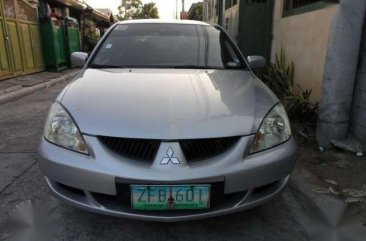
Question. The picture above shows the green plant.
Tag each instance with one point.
(280, 76)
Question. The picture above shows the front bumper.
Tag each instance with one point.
(89, 182)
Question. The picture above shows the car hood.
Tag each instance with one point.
(167, 104)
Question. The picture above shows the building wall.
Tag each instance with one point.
(209, 11)
(358, 124)
(230, 16)
(231, 21)
(304, 38)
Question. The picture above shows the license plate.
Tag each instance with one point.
(177, 197)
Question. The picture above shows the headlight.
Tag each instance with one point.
(274, 130)
(61, 130)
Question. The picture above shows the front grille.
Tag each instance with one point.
(200, 149)
(137, 149)
(146, 149)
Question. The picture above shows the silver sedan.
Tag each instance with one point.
(166, 122)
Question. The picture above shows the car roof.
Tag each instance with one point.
(163, 21)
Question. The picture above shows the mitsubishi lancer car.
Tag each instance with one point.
(166, 122)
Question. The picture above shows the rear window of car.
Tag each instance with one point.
(149, 45)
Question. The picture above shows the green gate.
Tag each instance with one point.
(72, 38)
(53, 35)
(255, 27)
(4, 53)
(19, 39)
(61, 39)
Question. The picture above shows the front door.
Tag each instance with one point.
(5, 61)
(255, 27)
(19, 39)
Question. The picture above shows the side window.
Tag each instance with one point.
(221, 52)
(231, 57)
(292, 4)
(230, 3)
(227, 4)
(294, 7)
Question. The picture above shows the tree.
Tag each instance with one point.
(199, 12)
(149, 10)
(134, 9)
(196, 11)
(129, 9)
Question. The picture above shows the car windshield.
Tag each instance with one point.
(152, 45)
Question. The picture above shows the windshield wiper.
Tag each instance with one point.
(107, 66)
(189, 67)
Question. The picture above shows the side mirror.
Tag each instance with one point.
(78, 59)
(256, 62)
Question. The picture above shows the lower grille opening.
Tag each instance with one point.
(265, 188)
(71, 189)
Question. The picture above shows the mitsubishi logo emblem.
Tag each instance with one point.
(170, 158)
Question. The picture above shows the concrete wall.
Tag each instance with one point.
(210, 14)
(209, 11)
(335, 108)
(304, 37)
(358, 119)
(231, 21)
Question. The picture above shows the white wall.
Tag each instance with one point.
(231, 21)
(304, 37)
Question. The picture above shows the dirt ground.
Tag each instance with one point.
(339, 173)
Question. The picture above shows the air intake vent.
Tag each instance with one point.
(137, 149)
(200, 149)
